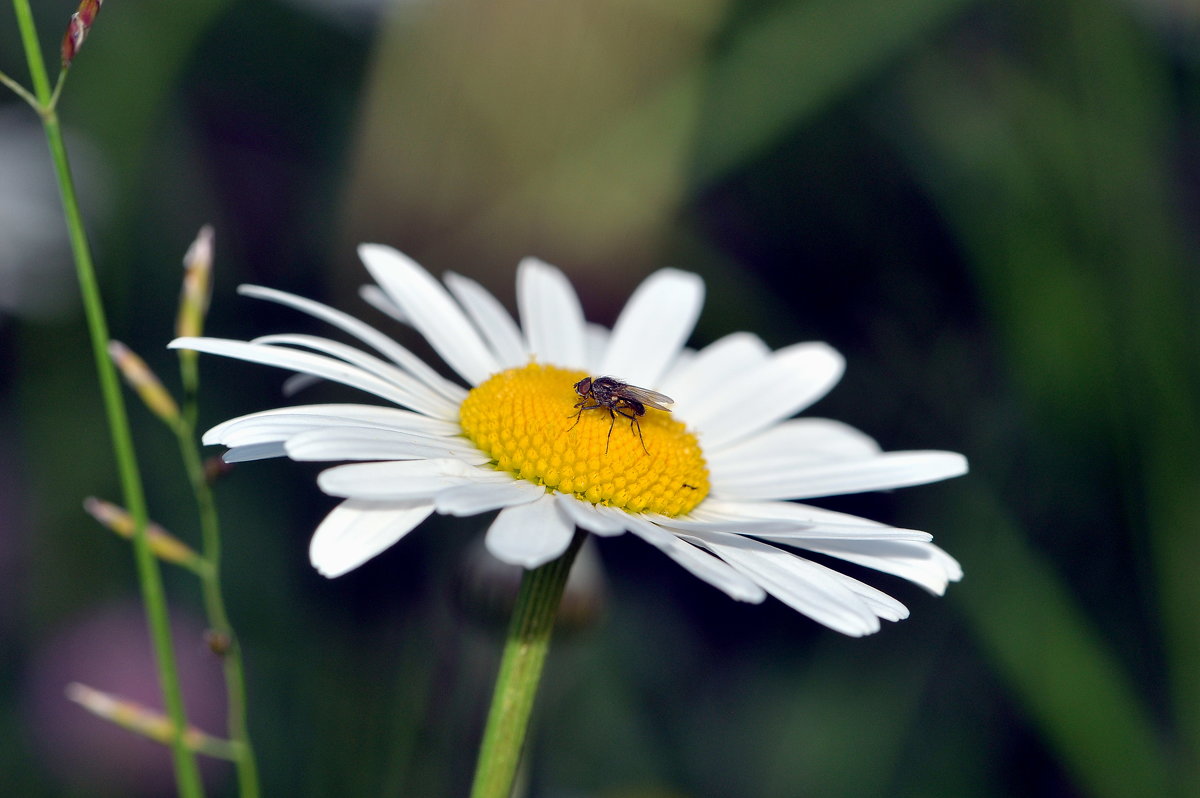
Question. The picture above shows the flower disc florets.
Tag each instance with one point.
(525, 420)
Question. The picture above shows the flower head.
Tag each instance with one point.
(698, 454)
(78, 28)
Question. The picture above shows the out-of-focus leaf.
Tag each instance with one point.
(1053, 171)
(794, 59)
(1042, 643)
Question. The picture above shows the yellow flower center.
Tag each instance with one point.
(526, 420)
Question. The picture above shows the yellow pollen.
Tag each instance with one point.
(525, 420)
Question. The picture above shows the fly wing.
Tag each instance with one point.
(648, 397)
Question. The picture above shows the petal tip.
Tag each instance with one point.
(325, 564)
(530, 262)
(370, 250)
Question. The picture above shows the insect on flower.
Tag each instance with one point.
(618, 398)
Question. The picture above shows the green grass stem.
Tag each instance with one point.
(186, 773)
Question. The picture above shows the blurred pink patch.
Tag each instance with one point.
(109, 649)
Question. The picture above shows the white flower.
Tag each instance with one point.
(710, 484)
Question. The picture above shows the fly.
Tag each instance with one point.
(619, 399)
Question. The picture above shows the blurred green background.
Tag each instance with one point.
(990, 208)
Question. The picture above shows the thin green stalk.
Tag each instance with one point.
(190, 377)
(214, 604)
(52, 103)
(520, 671)
(187, 775)
(21, 92)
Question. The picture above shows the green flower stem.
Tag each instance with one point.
(187, 776)
(218, 620)
(520, 671)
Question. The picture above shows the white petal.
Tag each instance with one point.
(365, 333)
(417, 395)
(680, 363)
(789, 444)
(653, 327)
(498, 328)
(921, 563)
(374, 296)
(472, 498)
(880, 603)
(742, 525)
(807, 522)
(305, 362)
(402, 479)
(530, 534)
(888, 470)
(595, 339)
(791, 380)
(364, 443)
(814, 590)
(254, 451)
(550, 314)
(585, 516)
(297, 383)
(357, 531)
(281, 423)
(431, 310)
(689, 383)
(883, 605)
(714, 571)
(697, 562)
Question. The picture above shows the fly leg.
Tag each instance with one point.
(631, 414)
(581, 405)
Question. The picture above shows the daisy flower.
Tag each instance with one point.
(710, 480)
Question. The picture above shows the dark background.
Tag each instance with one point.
(989, 208)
